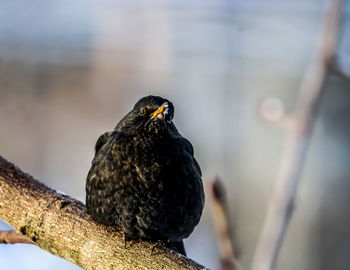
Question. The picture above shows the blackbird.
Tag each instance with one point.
(144, 177)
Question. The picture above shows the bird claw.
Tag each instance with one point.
(127, 238)
(158, 244)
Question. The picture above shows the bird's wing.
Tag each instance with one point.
(190, 150)
(102, 140)
(197, 166)
(99, 193)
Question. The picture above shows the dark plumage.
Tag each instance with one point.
(144, 177)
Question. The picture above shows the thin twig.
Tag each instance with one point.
(13, 237)
(283, 198)
(218, 204)
(340, 65)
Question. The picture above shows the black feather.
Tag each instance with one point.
(144, 177)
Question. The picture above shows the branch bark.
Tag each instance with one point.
(60, 225)
(13, 237)
(282, 201)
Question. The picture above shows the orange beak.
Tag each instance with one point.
(161, 111)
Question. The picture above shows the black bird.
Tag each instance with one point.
(144, 177)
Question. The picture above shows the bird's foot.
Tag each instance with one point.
(127, 238)
(178, 246)
(159, 244)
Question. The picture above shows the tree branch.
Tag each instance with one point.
(13, 237)
(299, 133)
(61, 225)
(223, 230)
(340, 65)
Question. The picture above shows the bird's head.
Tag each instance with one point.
(151, 114)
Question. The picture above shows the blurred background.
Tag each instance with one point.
(69, 70)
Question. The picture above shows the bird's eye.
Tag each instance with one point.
(142, 112)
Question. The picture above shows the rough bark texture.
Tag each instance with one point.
(61, 225)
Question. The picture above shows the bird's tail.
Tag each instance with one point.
(179, 246)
